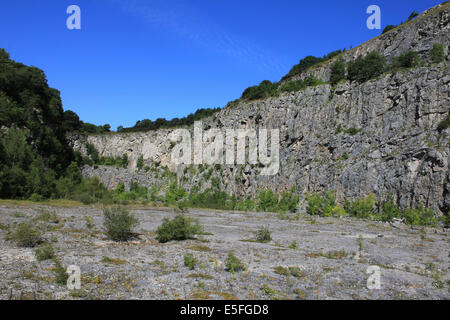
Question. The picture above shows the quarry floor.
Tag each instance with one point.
(332, 255)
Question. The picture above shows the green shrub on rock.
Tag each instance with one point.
(26, 235)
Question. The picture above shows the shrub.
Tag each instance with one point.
(321, 205)
(265, 89)
(408, 59)
(388, 28)
(45, 252)
(337, 71)
(413, 15)
(179, 228)
(263, 235)
(26, 235)
(390, 210)
(444, 124)
(352, 131)
(288, 201)
(61, 275)
(119, 224)
(174, 193)
(338, 211)
(361, 208)
(437, 53)
(190, 261)
(268, 201)
(140, 162)
(419, 216)
(233, 264)
(366, 68)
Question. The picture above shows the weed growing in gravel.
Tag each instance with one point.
(190, 261)
(289, 271)
(293, 245)
(179, 228)
(26, 235)
(47, 216)
(61, 275)
(115, 261)
(263, 235)
(119, 224)
(89, 222)
(45, 252)
(233, 264)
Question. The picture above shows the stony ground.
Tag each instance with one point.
(328, 257)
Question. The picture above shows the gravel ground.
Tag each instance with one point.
(308, 258)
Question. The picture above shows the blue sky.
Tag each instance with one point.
(140, 59)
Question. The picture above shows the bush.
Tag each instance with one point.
(388, 28)
(61, 275)
(437, 53)
(268, 201)
(413, 15)
(444, 124)
(366, 68)
(190, 261)
(119, 224)
(179, 228)
(265, 89)
(408, 59)
(361, 208)
(263, 235)
(289, 201)
(45, 252)
(390, 210)
(140, 162)
(26, 235)
(419, 216)
(321, 205)
(233, 264)
(337, 71)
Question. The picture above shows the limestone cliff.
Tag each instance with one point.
(393, 147)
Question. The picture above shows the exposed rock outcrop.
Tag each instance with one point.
(393, 145)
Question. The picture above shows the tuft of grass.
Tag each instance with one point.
(44, 252)
(293, 245)
(61, 275)
(233, 264)
(199, 247)
(115, 261)
(200, 276)
(190, 261)
(289, 271)
(263, 235)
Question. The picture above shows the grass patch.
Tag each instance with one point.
(115, 261)
(233, 264)
(199, 247)
(44, 252)
(200, 276)
(190, 261)
(263, 235)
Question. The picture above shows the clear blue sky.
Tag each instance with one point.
(140, 59)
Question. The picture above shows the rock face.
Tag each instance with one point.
(377, 137)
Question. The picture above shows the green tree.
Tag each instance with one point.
(437, 53)
(365, 68)
(337, 71)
